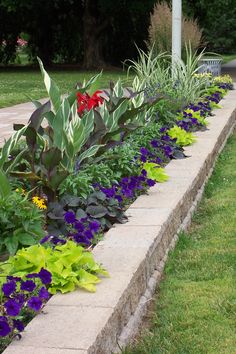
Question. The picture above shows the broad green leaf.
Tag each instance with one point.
(10, 145)
(26, 239)
(51, 158)
(51, 87)
(89, 152)
(5, 187)
(11, 243)
(38, 115)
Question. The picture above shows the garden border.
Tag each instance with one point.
(134, 254)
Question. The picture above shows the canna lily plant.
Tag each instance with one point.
(52, 150)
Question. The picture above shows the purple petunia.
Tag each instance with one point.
(43, 293)
(5, 329)
(28, 285)
(94, 226)
(69, 217)
(150, 182)
(12, 307)
(32, 275)
(9, 288)
(45, 276)
(35, 303)
(88, 234)
(45, 239)
(79, 226)
(18, 325)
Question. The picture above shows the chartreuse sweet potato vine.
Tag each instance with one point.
(71, 266)
(155, 172)
(182, 137)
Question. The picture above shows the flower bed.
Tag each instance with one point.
(136, 163)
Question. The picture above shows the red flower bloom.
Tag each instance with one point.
(86, 102)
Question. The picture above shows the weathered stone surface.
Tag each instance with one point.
(69, 327)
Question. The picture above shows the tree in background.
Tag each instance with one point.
(100, 32)
(218, 20)
(94, 32)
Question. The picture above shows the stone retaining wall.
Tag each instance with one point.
(134, 254)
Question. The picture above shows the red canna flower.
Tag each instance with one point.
(86, 102)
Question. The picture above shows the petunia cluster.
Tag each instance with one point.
(86, 102)
(129, 187)
(81, 231)
(22, 295)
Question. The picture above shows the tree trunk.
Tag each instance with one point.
(92, 37)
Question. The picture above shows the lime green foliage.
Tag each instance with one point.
(155, 172)
(21, 222)
(196, 115)
(183, 138)
(194, 312)
(71, 266)
(223, 78)
(17, 86)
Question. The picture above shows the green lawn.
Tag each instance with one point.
(228, 57)
(17, 85)
(195, 312)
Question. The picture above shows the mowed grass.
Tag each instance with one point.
(194, 310)
(228, 57)
(16, 86)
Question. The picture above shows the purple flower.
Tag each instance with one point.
(94, 226)
(35, 303)
(88, 234)
(150, 182)
(69, 217)
(155, 143)
(124, 180)
(162, 129)
(4, 328)
(168, 151)
(9, 288)
(143, 158)
(32, 275)
(110, 192)
(12, 307)
(43, 293)
(44, 239)
(144, 172)
(18, 325)
(45, 276)
(79, 226)
(81, 239)
(20, 298)
(10, 277)
(165, 138)
(119, 198)
(144, 151)
(28, 285)
(55, 240)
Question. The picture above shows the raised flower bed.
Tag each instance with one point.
(81, 220)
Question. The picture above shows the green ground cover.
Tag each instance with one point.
(16, 86)
(195, 309)
(228, 57)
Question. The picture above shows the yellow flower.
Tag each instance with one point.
(20, 190)
(39, 202)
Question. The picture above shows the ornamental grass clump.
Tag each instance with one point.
(160, 31)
